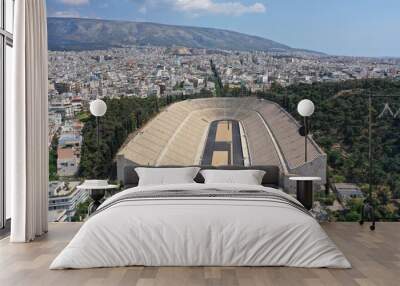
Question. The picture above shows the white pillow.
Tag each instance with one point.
(166, 176)
(247, 177)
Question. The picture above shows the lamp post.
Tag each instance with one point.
(98, 108)
(96, 188)
(305, 108)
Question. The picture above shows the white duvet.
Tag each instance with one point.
(200, 231)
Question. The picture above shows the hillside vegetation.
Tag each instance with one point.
(340, 126)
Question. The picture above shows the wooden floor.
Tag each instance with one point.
(375, 257)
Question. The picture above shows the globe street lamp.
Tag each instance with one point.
(96, 188)
(305, 108)
(98, 108)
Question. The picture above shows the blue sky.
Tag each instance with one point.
(339, 27)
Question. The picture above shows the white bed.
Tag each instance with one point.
(247, 226)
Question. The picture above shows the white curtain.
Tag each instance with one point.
(27, 135)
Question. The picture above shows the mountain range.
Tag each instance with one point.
(89, 34)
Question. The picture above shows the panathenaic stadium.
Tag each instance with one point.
(224, 131)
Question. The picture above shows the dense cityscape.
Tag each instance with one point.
(77, 77)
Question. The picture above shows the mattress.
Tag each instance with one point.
(201, 225)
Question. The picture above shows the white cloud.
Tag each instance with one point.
(210, 6)
(197, 7)
(143, 9)
(104, 5)
(66, 14)
(75, 2)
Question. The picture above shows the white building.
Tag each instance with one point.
(67, 162)
(64, 199)
(347, 191)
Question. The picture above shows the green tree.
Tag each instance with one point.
(81, 211)
(53, 159)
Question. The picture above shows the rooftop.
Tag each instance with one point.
(375, 257)
(65, 153)
(348, 189)
(346, 186)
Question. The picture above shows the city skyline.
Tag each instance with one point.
(356, 28)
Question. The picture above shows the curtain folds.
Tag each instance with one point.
(27, 142)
